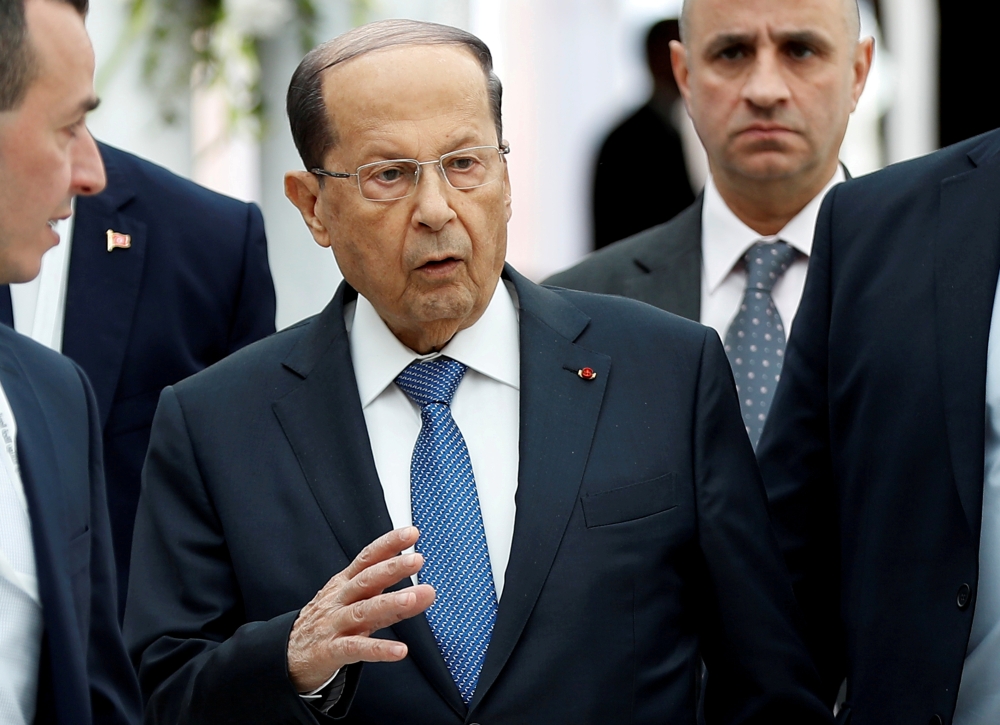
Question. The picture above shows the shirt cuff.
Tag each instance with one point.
(324, 697)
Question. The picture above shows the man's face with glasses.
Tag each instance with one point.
(416, 210)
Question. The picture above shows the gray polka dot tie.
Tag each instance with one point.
(755, 341)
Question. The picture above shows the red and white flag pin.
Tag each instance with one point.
(117, 240)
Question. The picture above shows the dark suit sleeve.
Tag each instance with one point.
(255, 309)
(114, 692)
(795, 461)
(199, 660)
(758, 669)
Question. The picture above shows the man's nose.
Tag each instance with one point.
(766, 86)
(433, 209)
(88, 168)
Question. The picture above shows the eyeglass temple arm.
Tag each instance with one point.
(331, 174)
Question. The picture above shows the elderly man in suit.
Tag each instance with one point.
(770, 85)
(589, 513)
(156, 279)
(62, 659)
(882, 455)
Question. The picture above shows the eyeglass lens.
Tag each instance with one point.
(464, 169)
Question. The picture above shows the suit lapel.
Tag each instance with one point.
(103, 287)
(669, 271)
(966, 263)
(6, 307)
(559, 413)
(41, 479)
(325, 426)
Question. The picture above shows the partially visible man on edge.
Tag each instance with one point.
(591, 520)
(770, 86)
(62, 659)
(882, 455)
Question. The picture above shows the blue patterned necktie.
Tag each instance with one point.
(755, 341)
(452, 538)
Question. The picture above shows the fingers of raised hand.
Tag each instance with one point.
(379, 577)
(384, 547)
(372, 614)
(366, 649)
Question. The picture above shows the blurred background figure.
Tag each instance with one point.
(651, 134)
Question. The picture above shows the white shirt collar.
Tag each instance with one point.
(490, 346)
(725, 239)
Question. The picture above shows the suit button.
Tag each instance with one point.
(936, 719)
(963, 599)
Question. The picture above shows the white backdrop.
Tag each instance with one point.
(570, 68)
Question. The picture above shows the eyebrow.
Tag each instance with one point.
(727, 40)
(805, 37)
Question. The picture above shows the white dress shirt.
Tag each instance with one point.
(20, 605)
(40, 305)
(979, 691)
(725, 239)
(486, 408)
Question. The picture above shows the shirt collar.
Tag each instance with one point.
(490, 346)
(725, 239)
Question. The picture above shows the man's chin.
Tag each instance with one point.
(769, 166)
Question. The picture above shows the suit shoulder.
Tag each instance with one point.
(249, 366)
(48, 370)
(606, 269)
(908, 181)
(163, 187)
(616, 318)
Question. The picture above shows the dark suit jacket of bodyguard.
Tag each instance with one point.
(194, 286)
(660, 266)
(84, 676)
(873, 454)
(641, 535)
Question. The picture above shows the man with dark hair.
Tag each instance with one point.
(61, 655)
(181, 282)
(770, 86)
(651, 136)
(589, 513)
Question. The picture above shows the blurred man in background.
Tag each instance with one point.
(622, 209)
(61, 655)
(770, 85)
(156, 278)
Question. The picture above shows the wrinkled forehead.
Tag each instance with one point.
(407, 84)
(703, 20)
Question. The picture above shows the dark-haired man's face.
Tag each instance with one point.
(47, 155)
(428, 263)
(770, 84)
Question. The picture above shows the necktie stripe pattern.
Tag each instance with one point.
(755, 341)
(446, 509)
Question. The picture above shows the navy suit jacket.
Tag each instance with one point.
(873, 453)
(85, 676)
(641, 536)
(193, 287)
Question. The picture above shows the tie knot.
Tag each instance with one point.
(433, 381)
(766, 262)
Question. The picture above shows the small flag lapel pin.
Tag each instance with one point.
(117, 240)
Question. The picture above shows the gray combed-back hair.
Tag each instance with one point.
(312, 129)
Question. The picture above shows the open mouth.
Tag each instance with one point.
(440, 265)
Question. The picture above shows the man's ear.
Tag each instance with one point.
(679, 62)
(863, 56)
(506, 190)
(303, 190)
